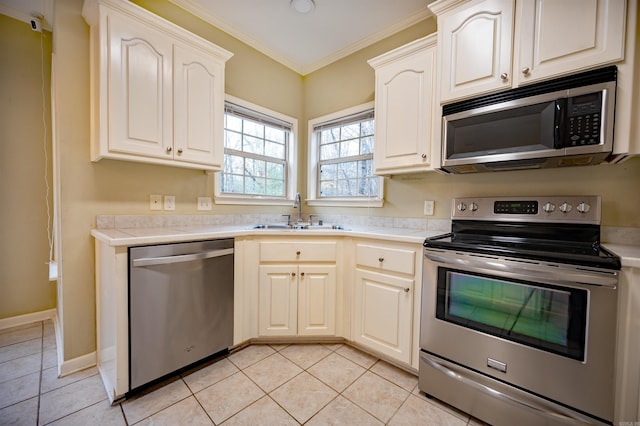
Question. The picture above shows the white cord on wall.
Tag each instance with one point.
(44, 147)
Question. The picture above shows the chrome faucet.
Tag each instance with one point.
(297, 204)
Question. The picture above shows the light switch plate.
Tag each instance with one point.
(169, 202)
(155, 202)
(428, 207)
(204, 203)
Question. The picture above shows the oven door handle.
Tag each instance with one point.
(555, 275)
(529, 405)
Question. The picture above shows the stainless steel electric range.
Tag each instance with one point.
(519, 312)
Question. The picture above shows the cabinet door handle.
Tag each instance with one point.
(407, 289)
(169, 149)
(293, 274)
(525, 70)
(381, 259)
(424, 155)
(179, 151)
(301, 274)
(504, 76)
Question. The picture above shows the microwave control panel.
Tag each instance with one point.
(583, 119)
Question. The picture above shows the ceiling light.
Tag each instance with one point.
(303, 6)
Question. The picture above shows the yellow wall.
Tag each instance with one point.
(116, 187)
(24, 251)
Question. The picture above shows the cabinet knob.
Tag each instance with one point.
(301, 274)
(293, 274)
(169, 149)
(406, 290)
(179, 151)
(381, 259)
(525, 70)
(504, 76)
(298, 253)
(424, 155)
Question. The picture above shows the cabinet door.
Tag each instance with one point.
(317, 300)
(278, 300)
(475, 46)
(404, 113)
(198, 107)
(140, 97)
(382, 313)
(559, 37)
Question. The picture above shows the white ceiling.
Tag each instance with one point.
(304, 43)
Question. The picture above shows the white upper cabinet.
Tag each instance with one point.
(490, 45)
(559, 37)
(198, 119)
(475, 41)
(157, 90)
(139, 97)
(406, 118)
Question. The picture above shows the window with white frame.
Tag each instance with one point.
(341, 159)
(258, 154)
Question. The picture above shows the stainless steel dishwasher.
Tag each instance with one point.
(180, 306)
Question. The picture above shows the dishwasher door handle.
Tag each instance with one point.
(164, 260)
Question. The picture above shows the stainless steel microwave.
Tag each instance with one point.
(562, 122)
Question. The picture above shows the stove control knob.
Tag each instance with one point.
(565, 207)
(549, 207)
(462, 207)
(473, 207)
(583, 207)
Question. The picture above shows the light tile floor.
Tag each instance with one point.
(308, 384)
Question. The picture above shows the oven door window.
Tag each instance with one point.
(550, 318)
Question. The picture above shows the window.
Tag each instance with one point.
(258, 153)
(341, 159)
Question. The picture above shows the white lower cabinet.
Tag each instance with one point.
(386, 297)
(297, 300)
(628, 358)
(297, 288)
(382, 313)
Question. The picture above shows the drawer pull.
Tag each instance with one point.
(406, 290)
(381, 259)
(298, 253)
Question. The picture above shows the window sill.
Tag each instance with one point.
(254, 201)
(338, 202)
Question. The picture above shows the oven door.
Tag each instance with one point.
(546, 329)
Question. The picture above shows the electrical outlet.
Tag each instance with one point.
(428, 207)
(204, 203)
(169, 202)
(155, 202)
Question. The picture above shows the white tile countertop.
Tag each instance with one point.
(128, 230)
(629, 254)
(161, 235)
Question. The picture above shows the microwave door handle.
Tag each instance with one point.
(560, 123)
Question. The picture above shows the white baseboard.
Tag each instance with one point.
(76, 364)
(49, 314)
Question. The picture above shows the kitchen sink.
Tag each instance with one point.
(296, 226)
(272, 226)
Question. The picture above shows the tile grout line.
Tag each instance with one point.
(40, 378)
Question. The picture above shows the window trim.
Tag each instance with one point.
(291, 161)
(314, 155)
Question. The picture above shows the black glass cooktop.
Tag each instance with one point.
(563, 243)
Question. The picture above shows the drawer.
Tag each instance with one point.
(283, 251)
(386, 258)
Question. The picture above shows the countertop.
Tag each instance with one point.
(629, 254)
(127, 237)
(142, 236)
